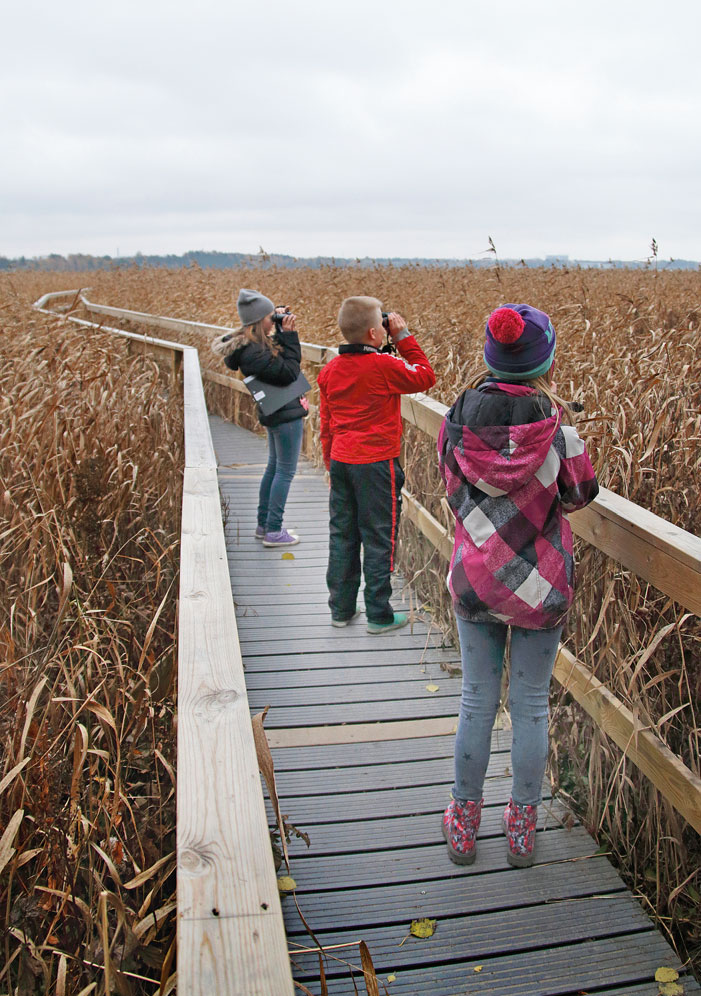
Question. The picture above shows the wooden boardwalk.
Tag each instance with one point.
(372, 809)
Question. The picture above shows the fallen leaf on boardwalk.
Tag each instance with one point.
(392, 978)
(286, 884)
(478, 968)
(431, 688)
(666, 975)
(288, 556)
(423, 928)
(670, 989)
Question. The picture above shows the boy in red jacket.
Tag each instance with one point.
(361, 428)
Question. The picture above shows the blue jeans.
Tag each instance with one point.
(284, 444)
(533, 655)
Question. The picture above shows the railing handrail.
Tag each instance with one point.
(231, 936)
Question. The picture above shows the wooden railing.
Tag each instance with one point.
(657, 551)
(231, 937)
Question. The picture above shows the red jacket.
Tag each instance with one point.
(359, 395)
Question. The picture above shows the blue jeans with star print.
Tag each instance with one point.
(533, 655)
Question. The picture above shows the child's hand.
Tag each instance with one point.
(288, 323)
(396, 323)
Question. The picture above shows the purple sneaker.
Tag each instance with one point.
(283, 538)
(260, 532)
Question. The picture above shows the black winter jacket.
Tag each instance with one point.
(253, 359)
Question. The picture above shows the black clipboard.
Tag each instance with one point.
(272, 397)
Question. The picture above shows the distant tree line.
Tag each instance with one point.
(80, 262)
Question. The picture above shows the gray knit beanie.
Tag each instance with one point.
(253, 306)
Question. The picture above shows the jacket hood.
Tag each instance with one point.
(498, 436)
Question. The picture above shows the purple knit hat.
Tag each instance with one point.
(520, 343)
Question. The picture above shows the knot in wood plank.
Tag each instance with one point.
(195, 861)
(211, 705)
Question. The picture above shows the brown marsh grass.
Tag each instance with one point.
(90, 480)
(628, 349)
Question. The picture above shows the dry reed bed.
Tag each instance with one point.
(628, 350)
(90, 478)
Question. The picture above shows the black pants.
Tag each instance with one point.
(364, 506)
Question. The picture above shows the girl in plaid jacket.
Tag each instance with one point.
(513, 466)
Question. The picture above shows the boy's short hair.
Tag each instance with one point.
(356, 316)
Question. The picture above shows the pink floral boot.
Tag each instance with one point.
(460, 826)
(519, 827)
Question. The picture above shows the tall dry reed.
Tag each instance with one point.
(90, 479)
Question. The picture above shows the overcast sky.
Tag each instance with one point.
(365, 128)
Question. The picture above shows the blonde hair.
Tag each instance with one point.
(225, 344)
(357, 316)
(541, 385)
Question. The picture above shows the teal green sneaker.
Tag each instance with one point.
(400, 619)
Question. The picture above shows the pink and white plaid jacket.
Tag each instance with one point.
(511, 470)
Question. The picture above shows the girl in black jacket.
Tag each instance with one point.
(275, 360)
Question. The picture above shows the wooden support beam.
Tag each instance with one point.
(670, 776)
(318, 354)
(361, 733)
(430, 527)
(226, 380)
(650, 546)
(155, 321)
(425, 413)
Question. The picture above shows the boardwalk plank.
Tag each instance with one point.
(339, 694)
(379, 776)
(361, 805)
(433, 897)
(374, 752)
(375, 835)
(352, 658)
(287, 718)
(410, 864)
(308, 679)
